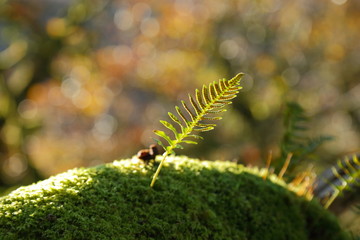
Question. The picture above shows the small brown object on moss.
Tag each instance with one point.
(148, 155)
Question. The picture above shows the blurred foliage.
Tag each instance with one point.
(295, 140)
(85, 82)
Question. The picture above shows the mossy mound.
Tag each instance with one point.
(190, 200)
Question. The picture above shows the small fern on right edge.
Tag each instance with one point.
(346, 176)
(211, 100)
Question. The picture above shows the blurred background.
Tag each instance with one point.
(85, 82)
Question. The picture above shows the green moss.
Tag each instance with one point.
(191, 200)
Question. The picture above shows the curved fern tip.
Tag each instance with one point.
(238, 76)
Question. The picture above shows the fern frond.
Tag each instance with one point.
(341, 177)
(295, 139)
(210, 100)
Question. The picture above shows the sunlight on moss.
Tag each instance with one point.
(192, 200)
(54, 185)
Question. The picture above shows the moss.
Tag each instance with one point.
(190, 200)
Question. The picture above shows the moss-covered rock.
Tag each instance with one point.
(190, 200)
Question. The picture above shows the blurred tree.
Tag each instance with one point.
(28, 51)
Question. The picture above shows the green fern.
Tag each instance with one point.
(211, 100)
(295, 140)
(347, 175)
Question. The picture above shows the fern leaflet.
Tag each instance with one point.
(210, 100)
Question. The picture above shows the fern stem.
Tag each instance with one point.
(158, 169)
(166, 153)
